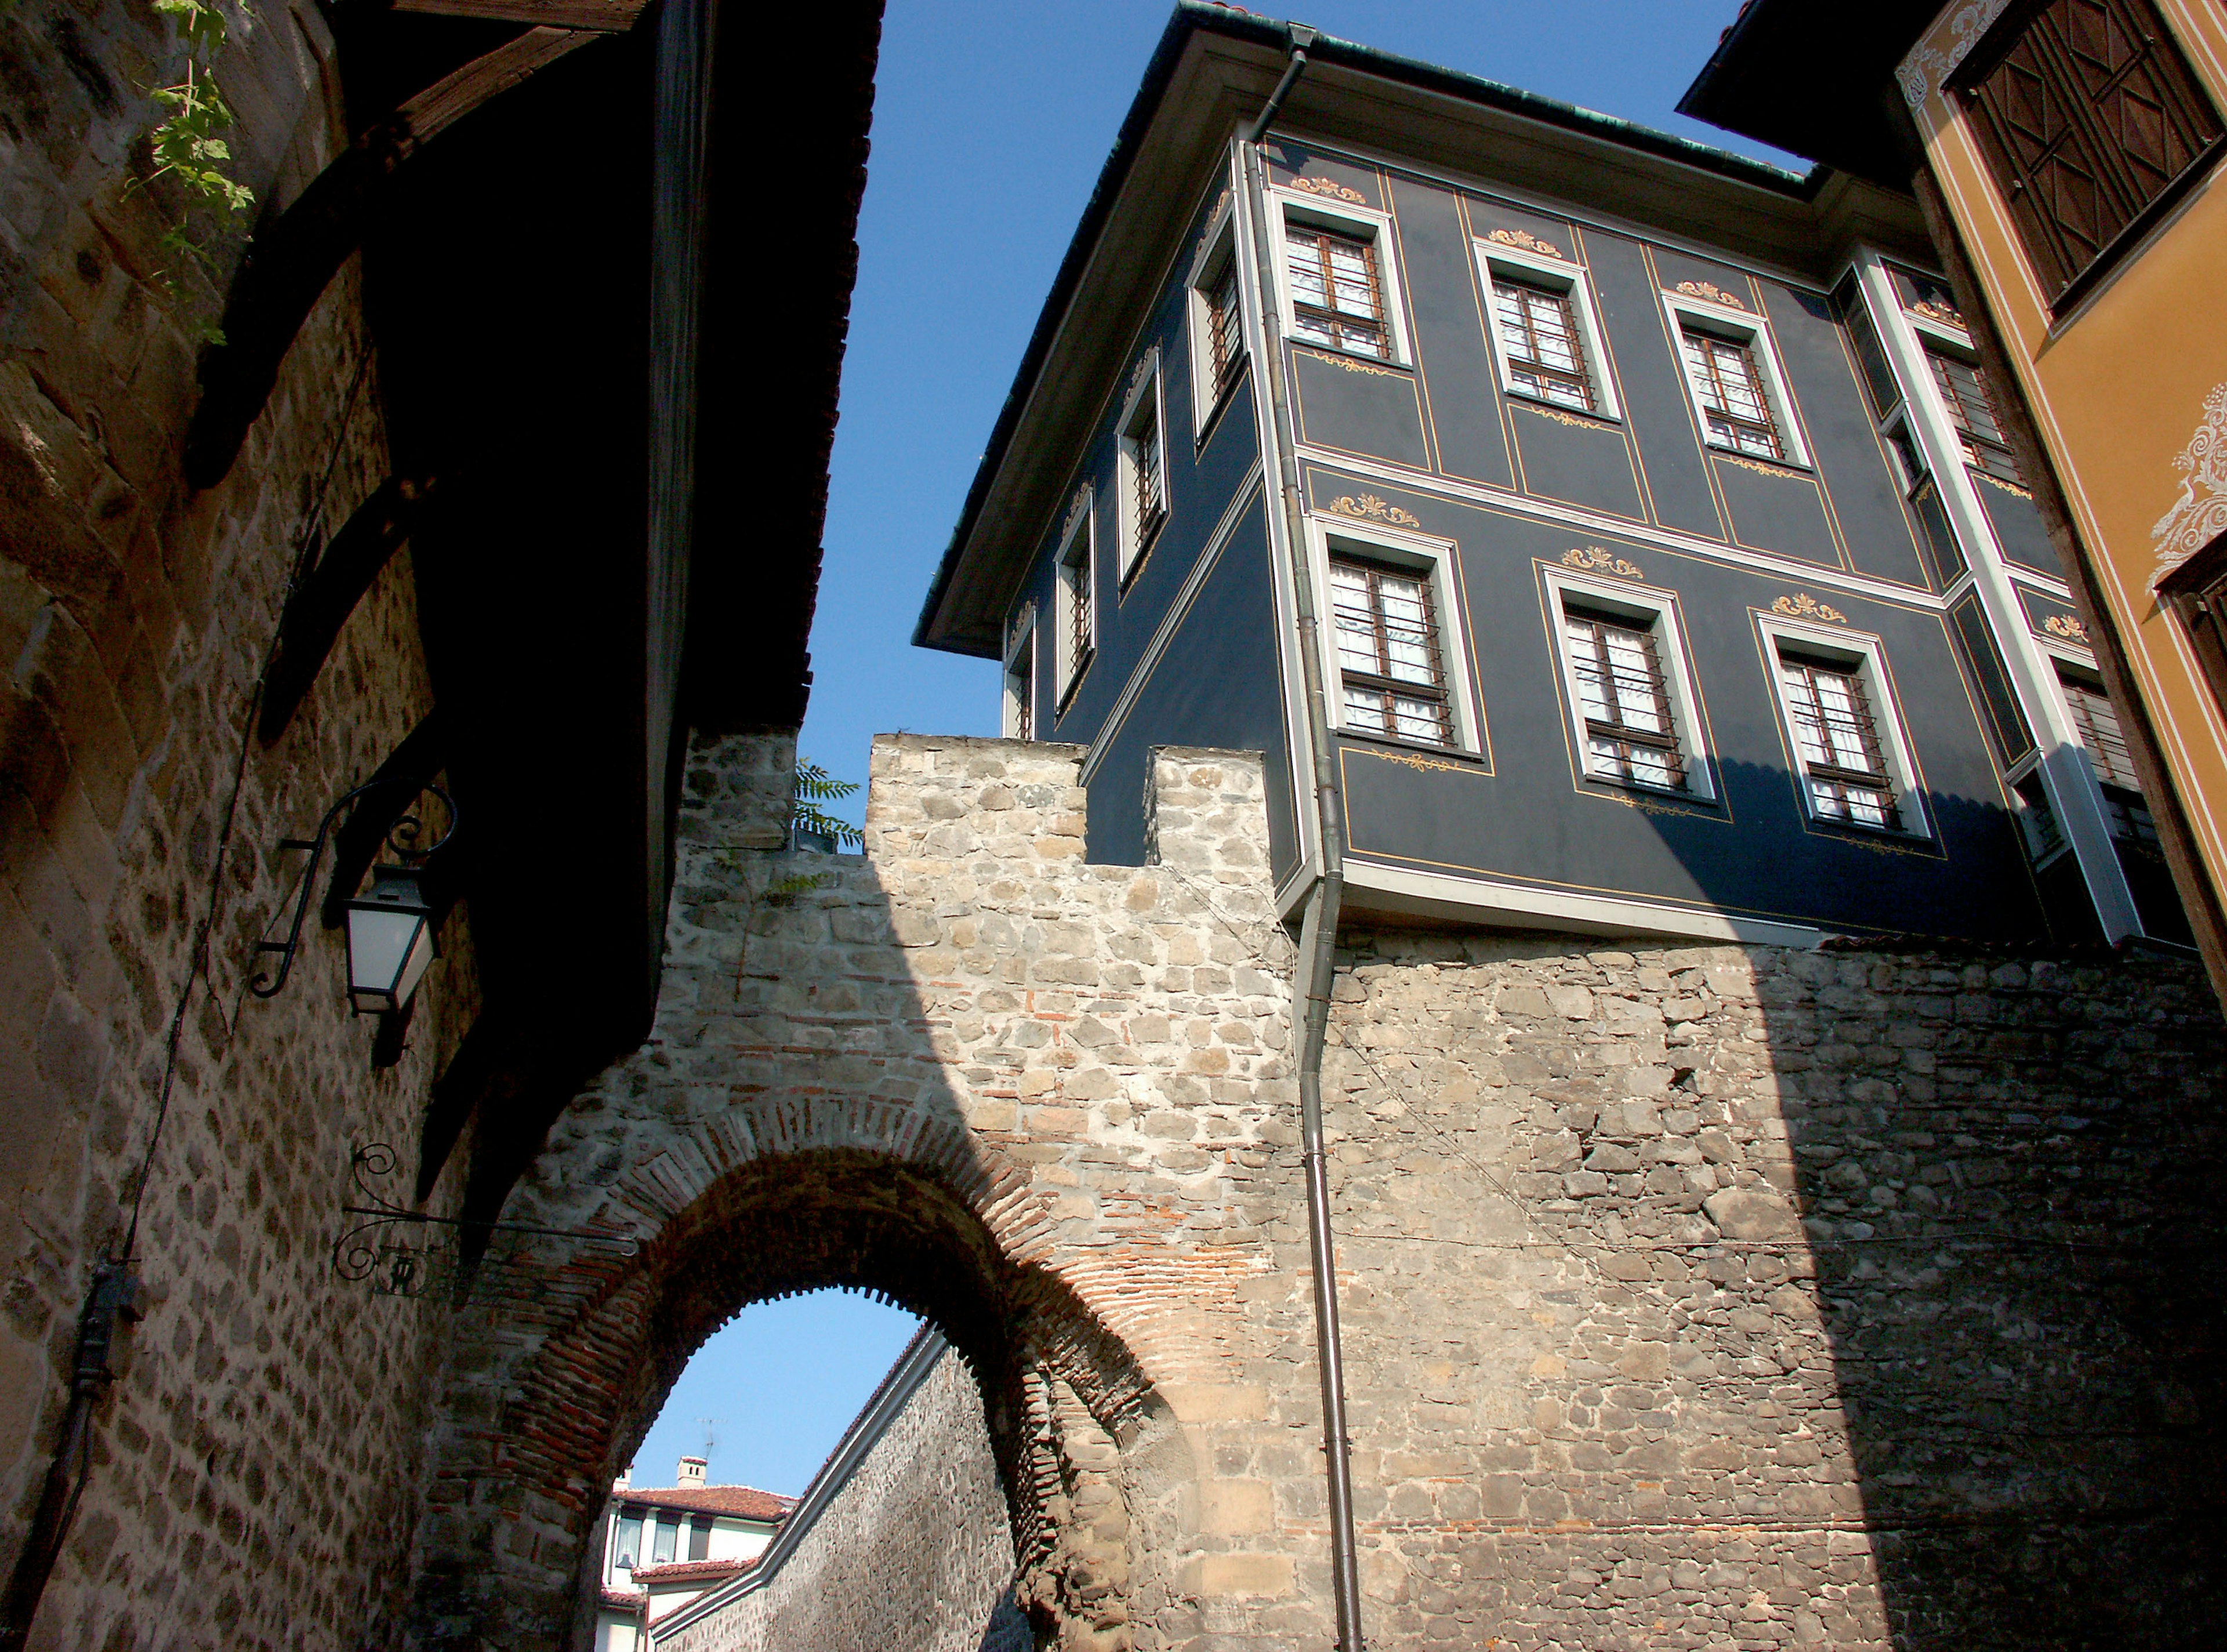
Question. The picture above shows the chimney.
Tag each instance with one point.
(626, 1477)
(691, 1472)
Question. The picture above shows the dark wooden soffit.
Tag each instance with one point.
(607, 16)
(1818, 81)
(293, 259)
(320, 606)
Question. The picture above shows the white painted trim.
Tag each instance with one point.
(1516, 906)
(1216, 249)
(1075, 578)
(2076, 802)
(1659, 609)
(1418, 552)
(1365, 223)
(1815, 574)
(1164, 634)
(1754, 330)
(1565, 276)
(1866, 655)
(1146, 389)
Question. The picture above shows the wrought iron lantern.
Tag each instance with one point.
(391, 940)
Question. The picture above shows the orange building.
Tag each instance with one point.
(2066, 154)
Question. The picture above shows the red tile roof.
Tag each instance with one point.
(692, 1571)
(627, 1600)
(744, 1503)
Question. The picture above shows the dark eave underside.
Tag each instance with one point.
(1817, 80)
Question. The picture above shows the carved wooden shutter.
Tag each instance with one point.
(2087, 115)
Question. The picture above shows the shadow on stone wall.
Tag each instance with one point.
(804, 1117)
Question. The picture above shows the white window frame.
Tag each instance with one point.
(1749, 328)
(1364, 223)
(1658, 610)
(1078, 554)
(1570, 279)
(1217, 251)
(1146, 390)
(1422, 554)
(1866, 655)
(1020, 662)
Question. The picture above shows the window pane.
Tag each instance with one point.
(630, 1545)
(1388, 649)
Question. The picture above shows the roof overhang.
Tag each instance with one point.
(1818, 81)
(1212, 72)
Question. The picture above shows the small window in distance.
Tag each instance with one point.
(1019, 711)
(699, 1538)
(2096, 722)
(1908, 461)
(1837, 735)
(1145, 458)
(1076, 597)
(1631, 736)
(668, 1538)
(2044, 839)
(1225, 328)
(2091, 122)
(1735, 407)
(1879, 378)
(1539, 332)
(1338, 291)
(628, 1554)
(1971, 409)
(1390, 659)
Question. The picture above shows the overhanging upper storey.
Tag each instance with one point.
(1212, 72)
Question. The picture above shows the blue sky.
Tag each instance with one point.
(991, 118)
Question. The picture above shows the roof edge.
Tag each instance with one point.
(1195, 16)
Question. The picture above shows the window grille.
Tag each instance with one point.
(1225, 327)
(1839, 742)
(1539, 331)
(1393, 673)
(1020, 683)
(1077, 629)
(2198, 594)
(1972, 411)
(1337, 296)
(1630, 735)
(2096, 722)
(1149, 475)
(1733, 404)
(2088, 117)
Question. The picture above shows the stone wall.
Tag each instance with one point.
(251, 1480)
(1695, 1297)
(914, 1550)
(1713, 1297)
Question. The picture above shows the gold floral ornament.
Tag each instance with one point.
(1710, 291)
(1933, 310)
(1526, 240)
(2065, 626)
(1371, 509)
(1599, 561)
(1331, 188)
(1424, 765)
(1804, 606)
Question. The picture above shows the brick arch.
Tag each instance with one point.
(927, 1229)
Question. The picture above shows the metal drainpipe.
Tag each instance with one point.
(1318, 929)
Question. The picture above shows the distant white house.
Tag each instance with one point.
(664, 1545)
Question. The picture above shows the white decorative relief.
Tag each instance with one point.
(1927, 66)
(2199, 515)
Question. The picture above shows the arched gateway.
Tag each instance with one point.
(1042, 1104)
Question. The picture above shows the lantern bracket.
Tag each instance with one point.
(402, 837)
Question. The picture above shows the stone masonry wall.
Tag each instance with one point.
(915, 1550)
(1711, 1298)
(1695, 1297)
(251, 1475)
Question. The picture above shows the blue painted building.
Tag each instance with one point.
(1676, 577)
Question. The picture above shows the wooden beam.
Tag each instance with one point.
(408, 769)
(605, 16)
(291, 262)
(329, 591)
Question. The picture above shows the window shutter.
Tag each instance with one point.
(2088, 116)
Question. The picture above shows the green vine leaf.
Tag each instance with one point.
(815, 786)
